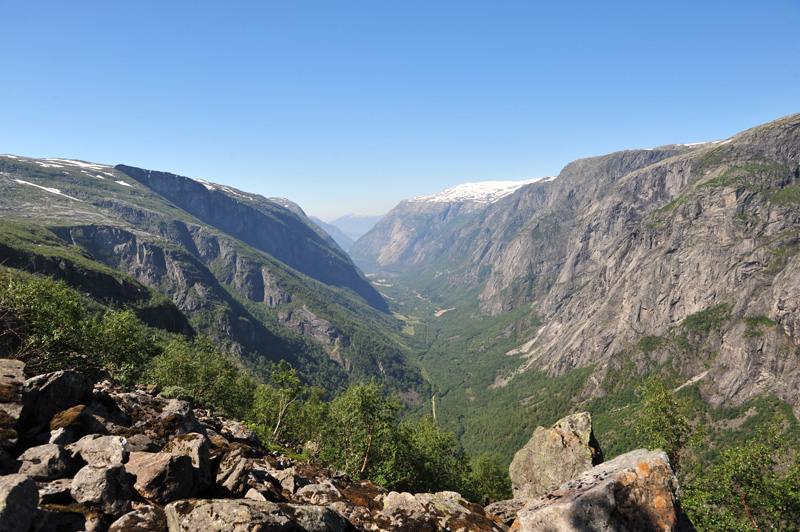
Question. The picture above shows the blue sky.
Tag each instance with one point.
(351, 106)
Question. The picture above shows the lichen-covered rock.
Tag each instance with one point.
(506, 511)
(74, 423)
(316, 518)
(226, 515)
(98, 450)
(553, 456)
(45, 395)
(106, 488)
(18, 501)
(161, 477)
(635, 492)
(323, 493)
(142, 519)
(55, 491)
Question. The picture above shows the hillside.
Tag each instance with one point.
(254, 273)
(567, 293)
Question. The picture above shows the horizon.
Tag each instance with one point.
(355, 107)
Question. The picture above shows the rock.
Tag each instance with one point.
(72, 424)
(143, 519)
(106, 488)
(316, 518)
(11, 382)
(196, 447)
(72, 518)
(45, 395)
(233, 470)
(402, 511)
(635, 492)
(506, 511)
(55, 491)
(454, 514)
(47, 462)
(18, 501)
(229, 515)
(554, 456)
(98, 450)
(140, 443)
(236, 432)
(161, 477)
(289, 479)
(323, 494)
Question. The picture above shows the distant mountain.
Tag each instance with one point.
(254, 273)
(405, 235)
(337, 234)
(355, 225)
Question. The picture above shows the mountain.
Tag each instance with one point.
(405, 235)
(355, 225)
(680, 260)
(254, 273)
(337, 234)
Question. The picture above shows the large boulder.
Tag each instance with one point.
(553, 456)
(230, 515)
(106, 488)
(47, 462)
(635, 492)
(161, 477)
(18, 501)
(98, 450)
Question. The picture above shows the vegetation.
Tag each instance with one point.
(359, 432)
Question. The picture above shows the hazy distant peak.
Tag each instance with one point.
(483, 192)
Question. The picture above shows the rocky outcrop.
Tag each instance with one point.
(635, 492)
(553, 456)
(156, 464)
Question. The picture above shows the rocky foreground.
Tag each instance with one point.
(78, 456)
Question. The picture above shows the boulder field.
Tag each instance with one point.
(80, 456)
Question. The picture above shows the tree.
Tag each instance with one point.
(755, 487)
(289, 389)
(361, 434)
(664, 423)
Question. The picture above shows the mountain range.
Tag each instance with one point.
(497, 306)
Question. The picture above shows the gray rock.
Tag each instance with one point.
(161, 477)
(72, 424)
(324, 494)
(143, 519)
(18, 501)
(141, 443)
(45, 395)
(107, 488)
(316, 518)
(97, 450)
(635, 492)
(554, 456)
(196, 447)
(226, 515)
(47, 462)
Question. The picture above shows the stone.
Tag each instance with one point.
(233, 471)
(236, 432)
(97, 450)
(161, 477)
(324, 493)
(144, 519)
(316, 518)
(226, 515)
(55, 491)
(290, 480)
(12, 378)
(553, 456)
(47, 462)
(106, 488)
(635, 492)
(196, 447)
(18, 501)
(141, 443)
(72, 424)
(45, 395)
(506, 511)
(402, 511)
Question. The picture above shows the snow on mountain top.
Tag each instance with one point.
(483, 192)
(80, 164)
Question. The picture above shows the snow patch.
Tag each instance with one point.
(206, 184)
(10, 156)
(80, 164)
(123, 183)
(483, 192)
(46, 165)
(48, 189)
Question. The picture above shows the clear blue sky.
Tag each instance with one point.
(351, 106)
